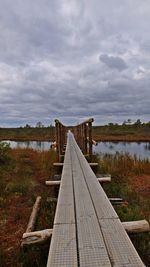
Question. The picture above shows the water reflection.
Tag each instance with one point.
(140, 149)
(147, 146)
(37, 145)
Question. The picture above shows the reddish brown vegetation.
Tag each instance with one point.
(125, 138)
(18, 197)
(141, 185)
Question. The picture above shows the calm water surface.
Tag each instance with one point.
(141, 150)
(38, 145)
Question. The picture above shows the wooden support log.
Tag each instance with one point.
(36, 237)
(58, 182)
(104, 179)
(57, 177)
(60, 164)
(136, 226)
(116, 201)
(33, 217)
(93, 164)
(42, 236)
(52, 182)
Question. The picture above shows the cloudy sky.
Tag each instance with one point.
(73, 59)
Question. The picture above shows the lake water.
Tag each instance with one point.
(38, 145)
(141, 149)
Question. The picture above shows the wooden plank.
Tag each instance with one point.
(63, 247)
(87, 231)
(119, 245)
(91, 246)
(65, 205)
(120, 248)
(105, 210)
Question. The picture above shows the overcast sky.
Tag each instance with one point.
(73, 59)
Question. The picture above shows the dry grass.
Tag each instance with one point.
(130, 181)
(22, 178)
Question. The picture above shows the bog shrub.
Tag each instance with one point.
(4, 152)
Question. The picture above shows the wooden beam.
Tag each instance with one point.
(57, 177)
(93, 164)
(33, 217)
(52, 182)
(60, 164)
(58, 182)
(116, 201)
(136, 226)
(104, 179)
(36, 237)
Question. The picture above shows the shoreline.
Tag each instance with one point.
(97, 138)
(121, 138)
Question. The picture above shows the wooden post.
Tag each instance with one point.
(83, 147)
(85, 138)
(57, 139)
(90, 139)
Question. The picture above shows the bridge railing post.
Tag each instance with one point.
(90, 139)
(60, 132)
(85, 138)
(57, 137)
(82, 133)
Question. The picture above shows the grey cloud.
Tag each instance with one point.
(50, 64)
(113, 62)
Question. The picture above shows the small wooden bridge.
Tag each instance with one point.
(87, 231)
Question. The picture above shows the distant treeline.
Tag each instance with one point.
(28, 133)
(111, 132)
(125, 132)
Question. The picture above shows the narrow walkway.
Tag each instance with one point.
(87, 231)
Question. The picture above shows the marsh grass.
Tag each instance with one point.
(22, 179)
(123, 169)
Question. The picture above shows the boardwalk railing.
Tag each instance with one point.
(82, 133)
(87, 231)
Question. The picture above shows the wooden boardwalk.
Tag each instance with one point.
(87, 231)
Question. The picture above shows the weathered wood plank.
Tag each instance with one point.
(119, 245)
(87, 231)
(92, 250)
(63, 247)
(63, 251)
(120, 249)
